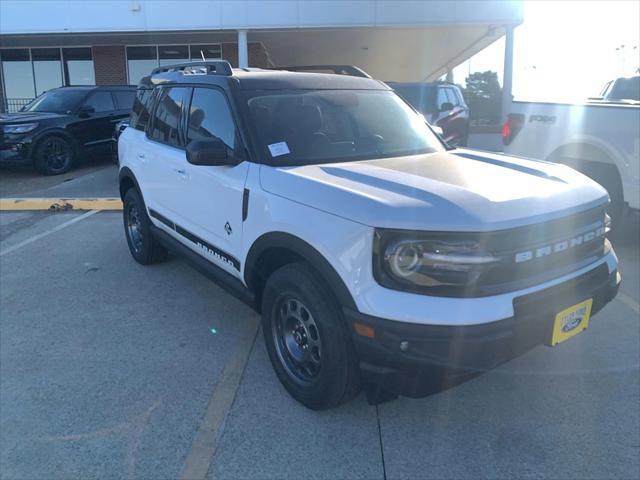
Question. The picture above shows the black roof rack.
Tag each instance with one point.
(208, 67)
(350, 70)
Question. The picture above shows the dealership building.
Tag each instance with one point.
(46, 43)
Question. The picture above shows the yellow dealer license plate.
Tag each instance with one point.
(571, 321)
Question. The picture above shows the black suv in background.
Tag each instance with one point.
(57, 127)
(442, 104)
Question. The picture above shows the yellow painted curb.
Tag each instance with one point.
(60, 204)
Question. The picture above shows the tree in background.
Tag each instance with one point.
(483, 95)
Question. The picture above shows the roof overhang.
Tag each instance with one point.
(391, 40)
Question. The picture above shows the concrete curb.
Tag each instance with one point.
(60, 204)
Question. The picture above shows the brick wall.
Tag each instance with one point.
(257, 54)
(110, 65)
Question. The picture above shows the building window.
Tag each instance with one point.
(47, 68)
(210, 52)
(170, 54)
(17, 74)
(29, 72)
(78, 66)
(141, 60)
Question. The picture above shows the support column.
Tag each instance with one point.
(243, 50)
(449, 77)
(507, 79)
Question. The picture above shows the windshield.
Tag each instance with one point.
(303, 127)
(625, 89)
(56, 101)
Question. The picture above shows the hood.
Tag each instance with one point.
(459, 190)
(24, 117)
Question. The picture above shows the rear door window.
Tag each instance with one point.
(124, 99)
(441, 98)
(100, 102)
(142, 102)
(452, 97)
(165, 124)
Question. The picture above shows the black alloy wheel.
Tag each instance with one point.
(54, 155)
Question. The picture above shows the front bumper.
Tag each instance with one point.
(406, 358)
(14, 153)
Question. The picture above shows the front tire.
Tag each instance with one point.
(144, 247)
(54, 155)
(308, 343)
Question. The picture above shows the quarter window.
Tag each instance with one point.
(166, 118)
(101, 102)
(209, 117)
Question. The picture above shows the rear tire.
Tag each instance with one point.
(54, 155)
(308, 343)
(144, 247)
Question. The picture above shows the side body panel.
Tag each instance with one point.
(612, 129)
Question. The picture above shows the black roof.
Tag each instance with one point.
(96, 87)
(419, 84)
(337, 69)
(282, 80)
(211, 72)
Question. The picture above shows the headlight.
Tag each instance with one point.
(418, 262)
(20, 128)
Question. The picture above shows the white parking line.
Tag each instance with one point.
(629, 302)
(47, 233)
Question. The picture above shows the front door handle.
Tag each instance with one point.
(182, 172)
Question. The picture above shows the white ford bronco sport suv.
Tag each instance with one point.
(378, 256)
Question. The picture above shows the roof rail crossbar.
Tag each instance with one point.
(210, 67)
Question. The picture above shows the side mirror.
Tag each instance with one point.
(86, 110)
(446, 107)
(212, 152)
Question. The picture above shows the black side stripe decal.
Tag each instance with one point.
(209, 249)
(162, 218)
(512, 166)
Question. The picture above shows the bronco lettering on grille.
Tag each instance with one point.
(558, 247)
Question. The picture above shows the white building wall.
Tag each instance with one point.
(47, 16)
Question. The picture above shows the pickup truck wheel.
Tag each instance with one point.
(144, 248)
(610, 180)
(53, 155)
(308, 344)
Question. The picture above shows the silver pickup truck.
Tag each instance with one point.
(600, 138)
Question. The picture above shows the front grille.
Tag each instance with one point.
(537, 253)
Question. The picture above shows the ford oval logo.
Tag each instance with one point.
(572, 323)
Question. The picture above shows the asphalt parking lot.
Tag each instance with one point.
(109, 369)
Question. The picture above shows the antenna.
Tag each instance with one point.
(202, 55)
